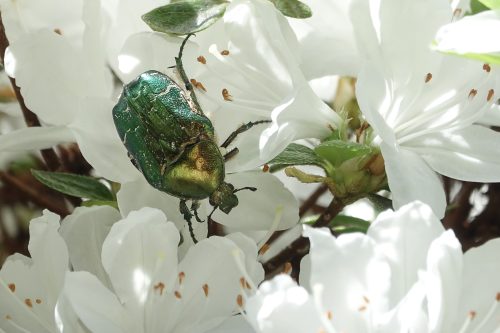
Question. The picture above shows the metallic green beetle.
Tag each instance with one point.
(172, 142)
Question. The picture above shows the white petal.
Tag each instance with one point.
(443, 281)
(55, 101)
(373, 94)
(281, 306)
(328, 32)
(66, 318)
(99, 142)
(236, 323)
(348, 277)
(257, 210)
(29, 287)
(472, 34)
(213, 262)
(138, 193)
(97, 307)
(481, 285)
(21, 18)
(410, 179)
(49, 253)
(139, 251)
(470, 154)
(35, 138)
(403, 237)
(84, 232)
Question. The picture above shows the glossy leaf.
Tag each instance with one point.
(295, 154)
(184, 17)
(293, 8)
(74, 185)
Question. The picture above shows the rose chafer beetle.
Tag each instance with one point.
(173, 143)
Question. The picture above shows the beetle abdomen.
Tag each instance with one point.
(198, 172)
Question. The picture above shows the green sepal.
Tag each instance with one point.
(476, 6)
(184, 17)
(74, 185)
(293, 8)
(337, 152)
(295, 154)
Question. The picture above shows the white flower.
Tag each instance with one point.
(474, 35)
(407, 274)
(423, 105)
(151, 291)
(30, 287)
(67, 84)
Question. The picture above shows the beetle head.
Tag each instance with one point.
(224, 197)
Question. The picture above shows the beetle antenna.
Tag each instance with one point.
(184, 77)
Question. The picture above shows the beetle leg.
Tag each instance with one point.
(253, 189)
(184, 77)
(241, 129)
(187, 217)
(230, 154)
(194, 207)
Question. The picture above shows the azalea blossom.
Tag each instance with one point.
(407, 274)
(151, 291)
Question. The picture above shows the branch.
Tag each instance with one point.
(40, 199)
(300, 247)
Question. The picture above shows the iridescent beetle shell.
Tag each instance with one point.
(171, 143)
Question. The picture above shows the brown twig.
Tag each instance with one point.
(300, 247)
(49, 155)
(30, 191)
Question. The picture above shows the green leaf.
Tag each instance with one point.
(337, 152)
(293, 8)
(492, 59)
(295, 154)
(74, 185)
(492, 4)
(343, 224)
(184, 17)
(477, 7)
(379, 202)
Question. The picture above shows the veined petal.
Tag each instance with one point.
(402, 237)
(258, 210)
(471, 34)
(348, 277)
(469, 154)
(411, 178)
(281, 306)
(139, 252)
(480, 292)
(443, 280)
(328, 32)
(35, 138)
